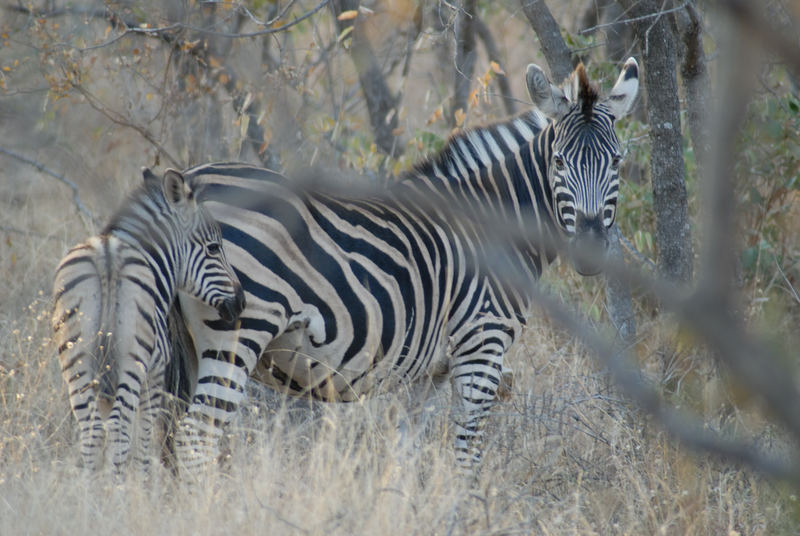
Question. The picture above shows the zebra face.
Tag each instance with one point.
(209, 275)
(585, 157)
(584, 179)
(204, 269)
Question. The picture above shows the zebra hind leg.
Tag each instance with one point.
(119, 425)
(92, 438)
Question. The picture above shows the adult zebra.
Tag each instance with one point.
(112, 298)
(347, 293)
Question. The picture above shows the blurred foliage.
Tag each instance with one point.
(769, 182)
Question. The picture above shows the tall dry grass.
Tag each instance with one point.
(565, 454)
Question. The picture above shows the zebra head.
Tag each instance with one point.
(584, 156)
(203, 269)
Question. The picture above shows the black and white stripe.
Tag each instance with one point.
(347, 295)
(112, 296)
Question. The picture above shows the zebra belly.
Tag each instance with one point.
(293, 364)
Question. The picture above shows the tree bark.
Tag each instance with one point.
(555, 50)
(667, 170)
(380, 101)
(465, 56)
(696, 85)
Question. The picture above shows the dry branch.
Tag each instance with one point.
(76, 198)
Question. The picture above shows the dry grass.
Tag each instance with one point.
(566, 454)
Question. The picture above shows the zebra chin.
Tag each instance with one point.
(588, 254)
(230, 308)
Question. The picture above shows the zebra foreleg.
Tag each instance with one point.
(475, 380)
(219, 391)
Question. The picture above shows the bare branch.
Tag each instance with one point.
(494, 54)
(119, 119)
(640, 18)
(76, 199)
(686, 428)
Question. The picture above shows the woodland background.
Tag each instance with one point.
(660, 399)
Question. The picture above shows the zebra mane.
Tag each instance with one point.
(583, 92)
(129, 211)
(531, 121)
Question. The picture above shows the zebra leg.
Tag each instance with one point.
(476, 375)
(224, 366)
(92, 432)
(118, 427)
(149, 413)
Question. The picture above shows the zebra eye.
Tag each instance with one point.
(558, 161)
(213, 248)
(616, 161)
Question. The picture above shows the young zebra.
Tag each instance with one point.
(112, 296)
(348, 294)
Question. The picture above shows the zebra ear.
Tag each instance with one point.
(148, 175)
(176, 191)
(622, 96)
(547, 97)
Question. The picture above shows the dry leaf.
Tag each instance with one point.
(460, 116)
(348, 15)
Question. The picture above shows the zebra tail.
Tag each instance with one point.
(105, 361)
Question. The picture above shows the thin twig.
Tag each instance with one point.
(61, 178)
(636, 19)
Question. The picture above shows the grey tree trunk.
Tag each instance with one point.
(465, 56)
(667, 170)
(491, 50)
(696, 85)
(555, 50)
(379, 98)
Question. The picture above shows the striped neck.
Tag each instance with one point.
(497, 172)
(147, 223)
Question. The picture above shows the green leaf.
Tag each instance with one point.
(774, 129)
(749, 258)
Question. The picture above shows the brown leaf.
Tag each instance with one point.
(350, 14)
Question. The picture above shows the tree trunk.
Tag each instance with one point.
(694, 75)
(380, 102)
(555, 50)
(667, 170)
(465, 57)
(491, 50)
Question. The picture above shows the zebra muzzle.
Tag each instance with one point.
(588, 247)
(231, 308)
